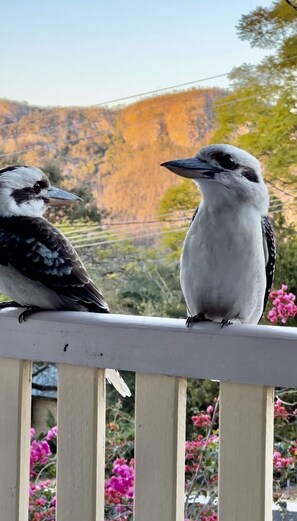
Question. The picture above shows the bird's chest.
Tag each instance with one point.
(223, 259)
(25, 291)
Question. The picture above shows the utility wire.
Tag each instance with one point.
(140, 236)
(186, 84)
(53, 143)
(132, 97)
(140, 94)
(103, 241)
(109, 230)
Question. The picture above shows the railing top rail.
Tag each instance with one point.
(265, 355)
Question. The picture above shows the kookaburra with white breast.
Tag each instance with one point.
(228, 256)
(39, 268)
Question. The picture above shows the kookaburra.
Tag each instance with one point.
(39, 268)
(228, 257)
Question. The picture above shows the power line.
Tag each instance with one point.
(108, 230)
(136, 237)
(97, 230)
(280, 189)
(140, 94)
(45, 145)
(86, 138)
(147, 93)
(186, 84)
(106, 237)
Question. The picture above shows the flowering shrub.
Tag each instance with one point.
(201, 470)
(119, 490)
(42, 497)
(283, 304)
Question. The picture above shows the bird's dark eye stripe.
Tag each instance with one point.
(29, 192)
(250, 174)
(23, 194)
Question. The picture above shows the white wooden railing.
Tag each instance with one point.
(163, 352)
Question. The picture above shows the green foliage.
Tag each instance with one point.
(268, 27)
(53, 170)
(260, 112)
(286, 238)
(136, 280)
(119, 431)
(286, 261)
(200, 393)
(179, 198)
(176, 201)
(87, 210)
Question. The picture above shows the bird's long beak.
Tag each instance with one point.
(58, 197)
(191, 168)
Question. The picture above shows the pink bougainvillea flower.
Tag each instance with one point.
(279, 410)
(284, 306)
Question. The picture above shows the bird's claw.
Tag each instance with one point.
(30, 310)
(200, 317)
(226, 322)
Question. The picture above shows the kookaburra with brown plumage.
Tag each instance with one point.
(228, 256)
(39, 268)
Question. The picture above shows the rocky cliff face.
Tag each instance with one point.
(116, 152)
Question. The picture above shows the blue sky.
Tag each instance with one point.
(84, 52)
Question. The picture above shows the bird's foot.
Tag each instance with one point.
(226, 322)
(197, 318)
(30, 310)
(9, 304)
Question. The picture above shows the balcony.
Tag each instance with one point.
(248, 361)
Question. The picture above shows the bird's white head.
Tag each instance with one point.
(225, 175)
(26, 191)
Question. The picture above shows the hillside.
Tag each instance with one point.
(116, 152)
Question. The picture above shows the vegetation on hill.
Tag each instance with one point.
(115, 153)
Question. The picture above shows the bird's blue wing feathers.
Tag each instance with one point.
(39, 251)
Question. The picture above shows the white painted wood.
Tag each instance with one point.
(246, 447)
(15, 416)
(159, 448)
(81, 444)
(264, 355)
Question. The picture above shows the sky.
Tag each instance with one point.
(87, 52)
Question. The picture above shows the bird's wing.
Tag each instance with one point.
(270, 253)
(40, 252)
(194, 215)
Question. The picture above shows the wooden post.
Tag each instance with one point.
(246, 448)
(159, 448)
(81, 444)
(15, 418)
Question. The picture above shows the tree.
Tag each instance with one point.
(260, 112)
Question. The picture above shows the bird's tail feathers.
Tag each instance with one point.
(113, 377)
